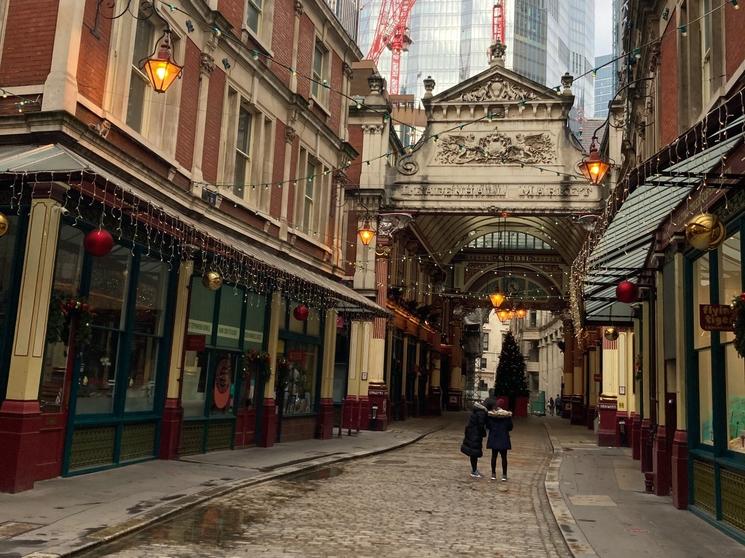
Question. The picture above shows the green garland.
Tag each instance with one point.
(738, 305)
(61, 312)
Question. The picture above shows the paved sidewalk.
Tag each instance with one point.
(603, 490)
(64, 515)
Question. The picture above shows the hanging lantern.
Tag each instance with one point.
(511, 314)
(98, 243)
(497, 299)
(705, 232)
(212, 280)
(366, 232)
(521, 312)
(161, 69)
(627, 292)
(301, 312)
(503, 315)
(610, 333)
(593, 167)
(4, 225)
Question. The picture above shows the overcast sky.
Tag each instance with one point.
(603, 25)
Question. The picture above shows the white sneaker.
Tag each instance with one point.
(504, 478)
(476, 475)
(494, 477)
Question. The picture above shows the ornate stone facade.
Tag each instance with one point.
(499, 89)
(497, 148)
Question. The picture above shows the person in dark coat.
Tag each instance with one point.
(499, 424)
(491, 401)
(474, 436)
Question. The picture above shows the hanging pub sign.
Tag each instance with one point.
(716, 317)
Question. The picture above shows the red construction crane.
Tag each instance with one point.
(392, 33)
(497, 23)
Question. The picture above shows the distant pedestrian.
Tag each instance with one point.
(499, 424)
(558, 404)
(474, 437)
(551, 406)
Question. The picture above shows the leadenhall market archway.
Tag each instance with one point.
(488, 200)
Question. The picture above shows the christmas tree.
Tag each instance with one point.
(511, 380)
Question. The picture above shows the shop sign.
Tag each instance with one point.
(253, 336)
(195, 343)
(296, 356)
(716, 317)
(228, 332)
(198, 326)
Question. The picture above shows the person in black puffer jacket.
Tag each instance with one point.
(499, 424)
(474, 436)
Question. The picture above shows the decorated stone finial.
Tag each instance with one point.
(496, 53)
(376, 83)
(566, 82)
(429, 86)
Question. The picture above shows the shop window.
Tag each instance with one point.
(702, 344)
(298, 378)
(99, 359)
(67, 273)
(148, 324)
(222, 325)
(730, 286)
(10, 249)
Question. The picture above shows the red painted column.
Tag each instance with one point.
(170, 429)
(268, 423)
(20, 423)
(326, 419)
(636, 445)
(661, 462)
(646, 444)
(350, 412)
(679, 459)
(607, 410)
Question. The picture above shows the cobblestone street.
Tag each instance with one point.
(418, 500)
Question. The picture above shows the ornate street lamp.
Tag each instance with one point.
(593, 167)
(366, 232)
(497, 299)
(161, 70)
(521, 312)
(503, 315)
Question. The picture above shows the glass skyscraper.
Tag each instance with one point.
(545, 38)
(605, 84)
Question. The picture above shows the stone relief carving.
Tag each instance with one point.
(496, 148)
(499, 89)
(407, 166)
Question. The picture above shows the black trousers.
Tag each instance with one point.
(474, 463)
(494, 453)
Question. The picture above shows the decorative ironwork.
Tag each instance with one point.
(219, 435)
(703, 486)
(733, 497)
(138, 441)
(192, 438)
(92, 447)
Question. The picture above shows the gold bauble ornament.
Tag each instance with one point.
(4, 225)
(212, 280)
(705, 232)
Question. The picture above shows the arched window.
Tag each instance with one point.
(509, 240)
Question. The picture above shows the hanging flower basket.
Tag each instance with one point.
(738, 305)
(258, 362)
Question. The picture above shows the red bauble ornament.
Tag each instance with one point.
(301, 312)
(742, 296)
(627, 292)
(98, 243)
(340, 323)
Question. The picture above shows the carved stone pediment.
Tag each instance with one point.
(499, 89)
(494, 85)
(496, 148)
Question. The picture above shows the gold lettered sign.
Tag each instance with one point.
(716, 317)
(4, 225)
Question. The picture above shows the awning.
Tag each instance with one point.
(59, 161)
(625, 245)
